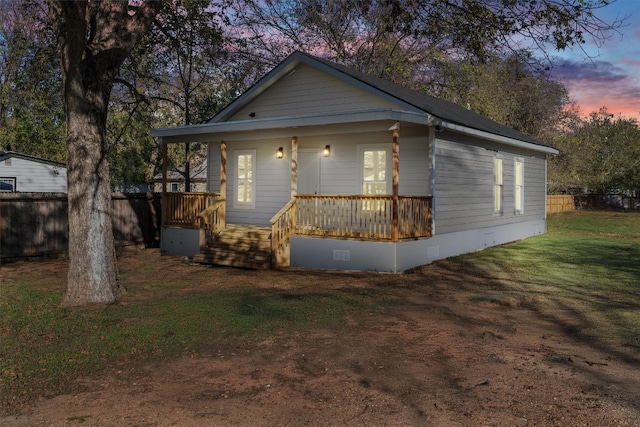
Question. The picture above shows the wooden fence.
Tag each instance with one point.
(560, 203)
(36, 224)
(565, 203)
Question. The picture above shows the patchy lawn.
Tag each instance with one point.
(539, 332)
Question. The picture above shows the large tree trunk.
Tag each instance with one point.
(93, 276)
(94, 38)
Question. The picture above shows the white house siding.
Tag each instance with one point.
(415, 164)
(339, 173)
(32, 176)
(213, 167)
(464, 185)
(309, 91)
(272, 179)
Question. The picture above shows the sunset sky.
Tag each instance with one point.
(612, 77)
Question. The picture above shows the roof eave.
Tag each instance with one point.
(203, 132)
(498, 138)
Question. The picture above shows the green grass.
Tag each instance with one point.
(583, 274)
(44, 346)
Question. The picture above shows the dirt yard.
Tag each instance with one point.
(435, 357)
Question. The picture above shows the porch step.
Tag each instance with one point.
(245, 246)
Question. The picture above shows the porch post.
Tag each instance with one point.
(294, 182)
(163, 201)
(294, 166)
(223, 183)
(395, 177)
(164, 166)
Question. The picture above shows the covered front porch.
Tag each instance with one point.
(383, 219)
(373, 218)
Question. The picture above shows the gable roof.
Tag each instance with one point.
(417, 107)
(6, 155)
(440, 108)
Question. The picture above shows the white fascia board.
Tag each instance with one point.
(497, 138)
(196, 132)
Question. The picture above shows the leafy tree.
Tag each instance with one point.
(600, 154)
(181, 74)
(396, 39)
(509, 90)
(94, 39)
(31, 110)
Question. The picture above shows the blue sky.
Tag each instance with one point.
(612, 77)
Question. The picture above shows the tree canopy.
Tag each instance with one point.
(600, 154)
(199, 54)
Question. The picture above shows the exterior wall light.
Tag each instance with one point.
(326, 152)
(279, 153)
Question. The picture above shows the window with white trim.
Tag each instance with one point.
(7, 185)
(519, 185)
(374, 179)
(175, 187)
(497, 185)
(245, 184)
(375, 173)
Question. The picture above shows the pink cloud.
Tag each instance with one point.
(602, 84)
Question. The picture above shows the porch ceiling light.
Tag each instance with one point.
(326, 152)
(279, 153)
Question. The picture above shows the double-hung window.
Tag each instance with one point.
(375, 174)
(519, 185)
(245, 171)
(497, 186)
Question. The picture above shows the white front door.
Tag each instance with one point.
(308, 171)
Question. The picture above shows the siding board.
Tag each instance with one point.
(32, 176)
(464, 185)
(310, 91)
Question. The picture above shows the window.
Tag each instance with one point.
(519, 189)
(7, 185)
(375, 173)
(497, 185)
(245, 179)
(175, 187)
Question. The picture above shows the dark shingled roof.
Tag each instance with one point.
(5, 155)
(445, 110)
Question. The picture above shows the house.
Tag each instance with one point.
(175, 181)
(352, 172)
(23, 173)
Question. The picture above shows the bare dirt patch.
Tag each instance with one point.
(442, 354)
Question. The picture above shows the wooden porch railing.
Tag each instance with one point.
(362, 216)
(414, 217)
(211, 221)
(282, 228)
(354, 216)
(183, 209)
